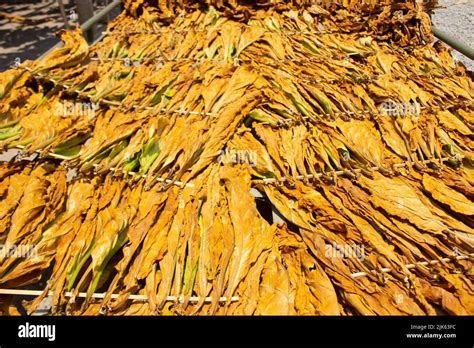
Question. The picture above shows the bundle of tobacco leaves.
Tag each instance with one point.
(148, 149)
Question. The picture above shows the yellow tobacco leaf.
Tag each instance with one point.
(442, 193)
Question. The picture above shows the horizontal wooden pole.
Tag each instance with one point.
(35, 293)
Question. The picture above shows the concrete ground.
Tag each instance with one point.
(456, 17)
(27, 30)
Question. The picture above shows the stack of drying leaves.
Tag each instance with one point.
(159, 208)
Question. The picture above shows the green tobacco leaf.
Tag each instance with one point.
(150, 152)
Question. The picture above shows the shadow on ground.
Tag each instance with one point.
(28, 28)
